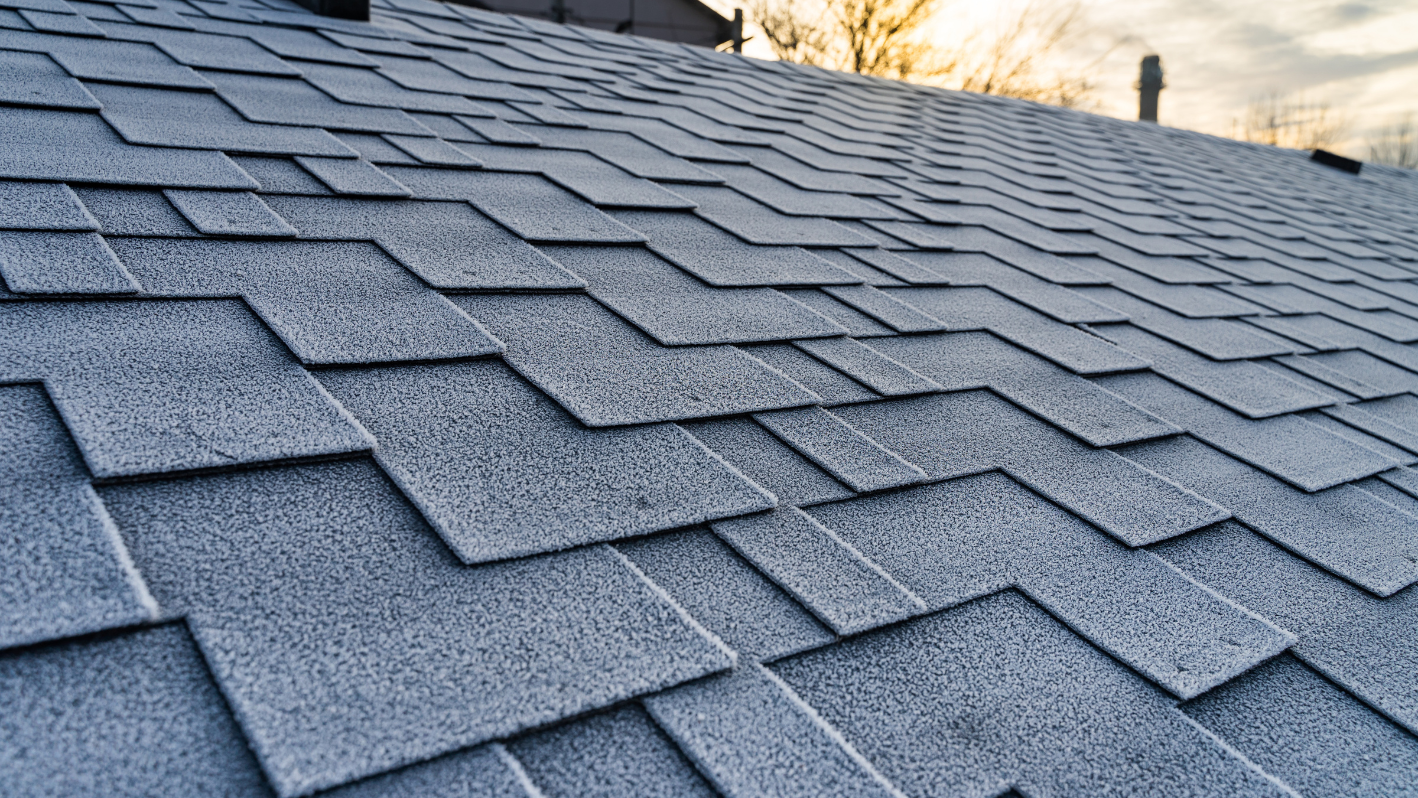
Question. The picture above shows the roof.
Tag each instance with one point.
(461, 404)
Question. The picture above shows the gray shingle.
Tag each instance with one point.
(350, 84)
(426, 75)
(135, 212)
(63, 569)
(62, 263)
(1395, 419)
(789, 199)
(288, 42)
(528, 205)
(595, 180)
(955, 434)
(725, 594)
(721, 259)
(896, 266)
(848, 455)
(34, 79)
(330, 302)
(982, 308)
(843, 588)
(951, 542)
(611, 755)
(128, 716)
(1303, 454)
(759, 224)
(60, 145)
(42, 206)
(860, 324)
(147, 387)
(969, 268)
(628, 152)
(233, 213)
(960, 361)
(448, 244)
(231, 53)
(281, 176)
(107, 60)
(885, 308)
(1357, 372)
(501, 472)
(357, 178)
(1038, 262)
(925, 236)
(1368, 645)
(831, 386)
(978, 699)
(289, 101)
(752, 736)
(868, 366)
(1312, 735)
(434, 152)
(1344, 529)
(1218, 339)
(201, 121)
(676, 309)
(376, 149)
(767, 461)
(1241, 385)
(606, 373)
(267, 565)
(487, 771)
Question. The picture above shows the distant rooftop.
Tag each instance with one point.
(462, 404)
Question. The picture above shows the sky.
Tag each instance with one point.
(1360, 57)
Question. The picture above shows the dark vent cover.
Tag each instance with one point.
(1337, 161)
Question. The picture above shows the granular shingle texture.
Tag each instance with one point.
(462, 405)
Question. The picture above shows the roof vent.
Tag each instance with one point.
(1337, 161)
(343, 9)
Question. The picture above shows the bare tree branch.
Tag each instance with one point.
(1396, 144)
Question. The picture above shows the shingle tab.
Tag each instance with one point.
(965, 433)
(107, 60)
(951, 542)
(367, 87)
(868, 366)
(616, 753)
(69, 705)
(1218, 339)
(837, 582)
(62, 263)
(61, 145)
(148, 387)
(528, 205)
(992, 670)
(606, 373)
(42, 206)
(721, 259)
(751, 736)
(724, 593)
(1344, 529)
(330, 302)
(676, 309)
(501, 472)
(848, 455)
(357, 178)
(201, 121)
(448, 244)
(1243, 386)
(233, 213)
(1288, 447)
(981, 308)
(135, 212)
(1300, 727)
(65, 572)
(1365, 644)
(960, 361)
(268, 564)
(34, 79)
(289, 101)
(969, 268)
(767, 461)
(759, 224)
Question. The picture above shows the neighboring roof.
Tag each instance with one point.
(459, 404)
(685, 21)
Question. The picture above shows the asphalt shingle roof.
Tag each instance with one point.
(462, 404)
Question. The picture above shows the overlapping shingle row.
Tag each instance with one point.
(460, 404)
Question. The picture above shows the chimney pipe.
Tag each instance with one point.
(738, 30)
(1148, 86)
